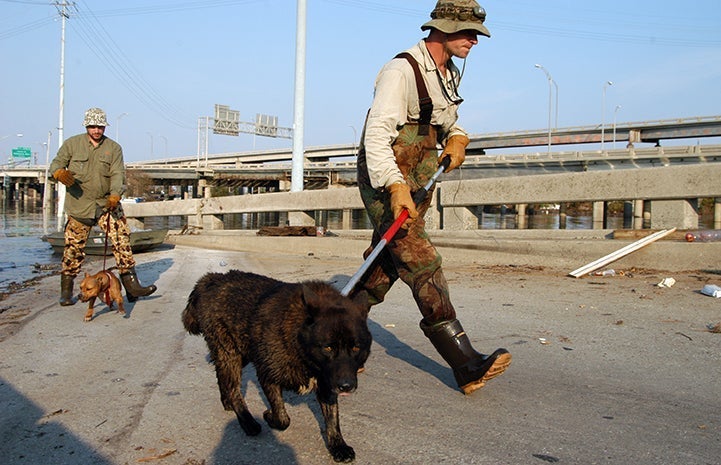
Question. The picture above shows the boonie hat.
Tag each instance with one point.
(95, 117)
(451, 16)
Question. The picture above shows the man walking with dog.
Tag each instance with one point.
(414, 109)
(91, 166)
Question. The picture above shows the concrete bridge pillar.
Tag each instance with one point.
(213, 222)
(459, 218)
(433, 215)
(301, 219)
(682, 214)
(599, 214)
(136, 223)
(638, 214)
(347, 219)
(521, 216)
(717, 214)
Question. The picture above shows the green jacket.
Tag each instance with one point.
(98, 171)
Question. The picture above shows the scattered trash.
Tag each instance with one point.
(543, 341)
(223, 263)
(711, 290)
(389, 325)
(708, 235)
(605, 273)
(714, 328)
(666, 282)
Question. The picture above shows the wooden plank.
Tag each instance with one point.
(613, 256)
(635, 234)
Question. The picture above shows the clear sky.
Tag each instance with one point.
(156, 66)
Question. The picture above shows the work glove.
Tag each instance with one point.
(113, 201)
(455, 149)
(64, 176)
(401, 199)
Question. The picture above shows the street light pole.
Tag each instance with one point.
(615, 111)
(46, 187)
(355, 136)
(117, 126)
(603, 112)
(165, 139)
(551, 83)
(11, 135)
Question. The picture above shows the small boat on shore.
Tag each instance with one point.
(140, 241)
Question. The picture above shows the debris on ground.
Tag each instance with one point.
(711, 290)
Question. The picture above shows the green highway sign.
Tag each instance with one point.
(21, 152)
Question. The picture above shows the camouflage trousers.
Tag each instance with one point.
(410, 255)
(76, 237)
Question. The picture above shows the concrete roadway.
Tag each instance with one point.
(606, 370)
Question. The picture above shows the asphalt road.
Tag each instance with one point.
(606, 370)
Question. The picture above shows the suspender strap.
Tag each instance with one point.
(424, 100)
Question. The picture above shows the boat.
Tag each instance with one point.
(140, 241)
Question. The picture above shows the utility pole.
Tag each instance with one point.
(299, 107)
(62, 7)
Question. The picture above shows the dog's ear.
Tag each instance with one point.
(310, 299)
(362, 299)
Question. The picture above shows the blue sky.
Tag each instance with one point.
(166, 63)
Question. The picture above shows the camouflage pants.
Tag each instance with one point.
(76, 236)
(410, 255)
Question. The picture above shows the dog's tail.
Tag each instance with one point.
(189, 321)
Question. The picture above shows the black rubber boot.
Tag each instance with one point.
(66, 290)
(132, 286)
(470, 368)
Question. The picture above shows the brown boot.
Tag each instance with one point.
(470, 368)
(132, 286)
(66, 290)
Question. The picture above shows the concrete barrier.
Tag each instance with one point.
(667, 194)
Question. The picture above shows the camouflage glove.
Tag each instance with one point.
(64, 176)
(456, 150)
(401, 199)
(113, 201)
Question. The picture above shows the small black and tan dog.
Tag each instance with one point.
(299, 336)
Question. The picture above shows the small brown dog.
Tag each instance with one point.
(104, 285)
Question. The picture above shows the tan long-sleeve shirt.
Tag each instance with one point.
(395, 103)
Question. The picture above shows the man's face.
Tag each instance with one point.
(459, 43)
(95, 132)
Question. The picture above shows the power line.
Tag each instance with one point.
(96, 37)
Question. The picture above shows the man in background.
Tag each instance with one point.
(91, 166)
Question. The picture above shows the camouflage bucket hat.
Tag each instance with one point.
(451, 16)
(95, 117)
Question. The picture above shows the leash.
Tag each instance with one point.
(418, 197)
(107, 233)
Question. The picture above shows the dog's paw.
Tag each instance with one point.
(342, 453)
(276, 423)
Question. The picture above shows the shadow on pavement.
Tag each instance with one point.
(28, 435)
(402, 351)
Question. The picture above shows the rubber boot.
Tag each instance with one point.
(470, 368)
(66, 290)
(132, 286)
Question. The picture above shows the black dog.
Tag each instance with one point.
(299, 336)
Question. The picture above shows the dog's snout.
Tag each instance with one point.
(346, 386)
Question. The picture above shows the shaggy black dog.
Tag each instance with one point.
(299, 336)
